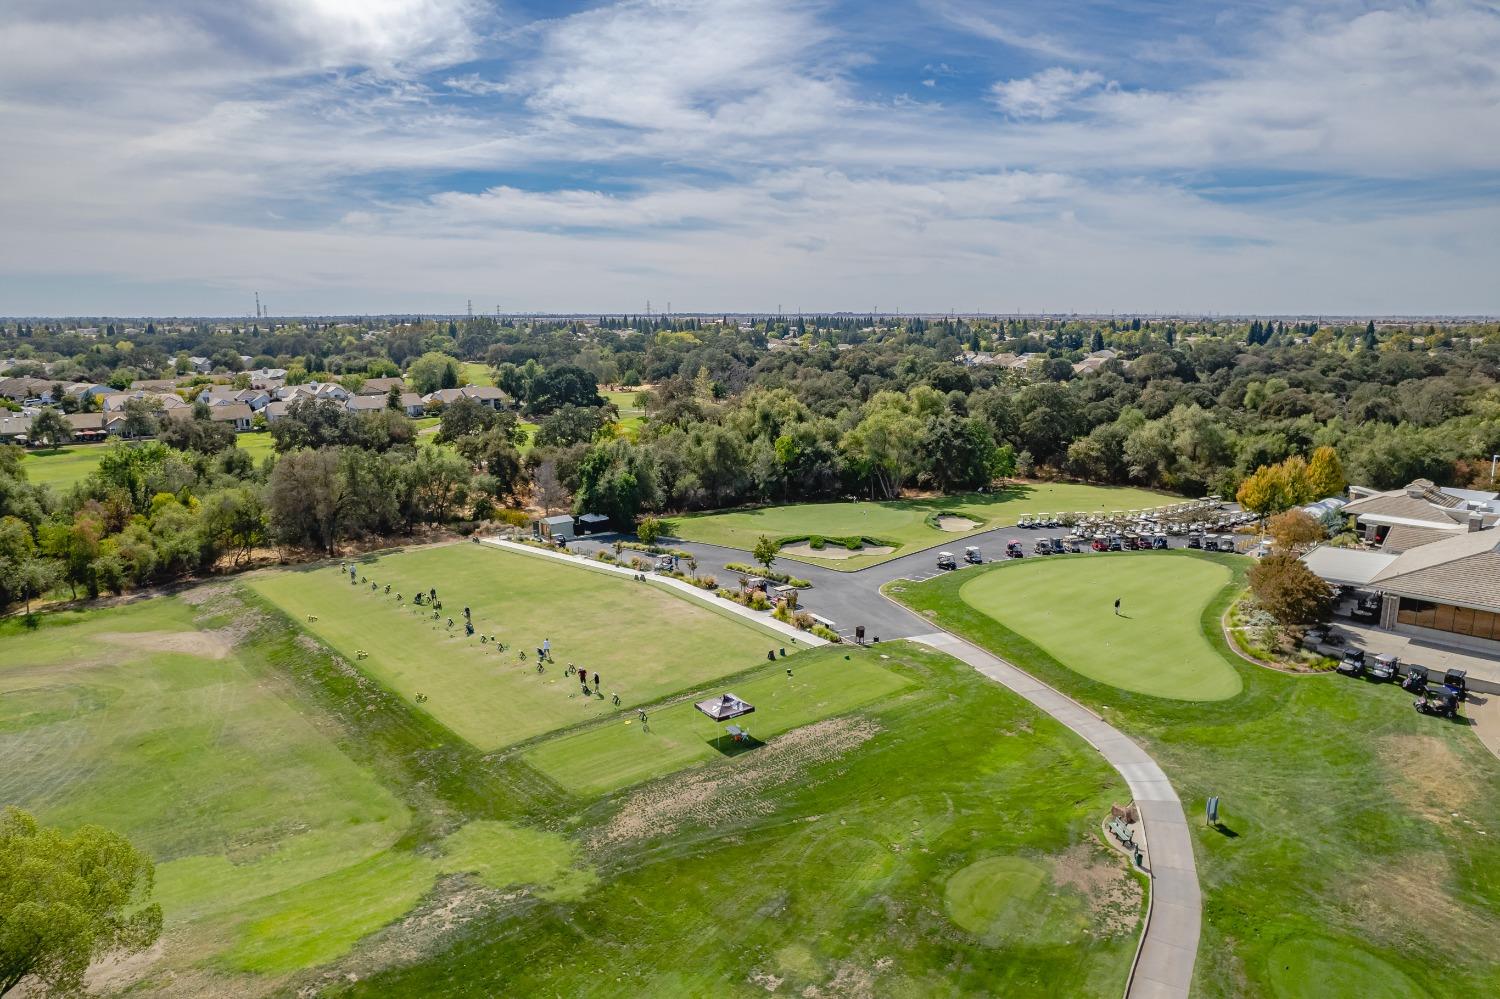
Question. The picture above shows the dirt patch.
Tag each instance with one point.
(456, 902)
(954, 524)
(834, 553)
(1430, 777)
(1114, 896)
(730, 791)
(203, 644)
(849, 979)
(1417, 891)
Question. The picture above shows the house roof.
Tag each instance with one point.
(1404, 537)
(1348, 566)
(380, 386)
(1462, 570)
(365, 403)
(231, 412)
(558, 520)
(85, 421)
(12, 425)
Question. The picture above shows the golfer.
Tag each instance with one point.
(1117, 606)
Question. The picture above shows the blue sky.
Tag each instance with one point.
(174, 156)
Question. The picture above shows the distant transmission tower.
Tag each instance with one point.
(257, 305)
(471, 308)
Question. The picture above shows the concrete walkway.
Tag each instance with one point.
(1169, 943)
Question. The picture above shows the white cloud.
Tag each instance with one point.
(1044, 95)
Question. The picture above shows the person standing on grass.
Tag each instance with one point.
(546, 648)
(1117, 606)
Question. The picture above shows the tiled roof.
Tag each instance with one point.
(1463, 570)
(1404, 537)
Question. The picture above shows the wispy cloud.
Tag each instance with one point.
(1044, 95)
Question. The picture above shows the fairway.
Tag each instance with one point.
(904, 524)
(62, 468)
(1155, 646)
(643, 640)
(824, 682)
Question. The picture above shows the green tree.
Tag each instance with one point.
(432, 371)
(648, 530)
(67, 899)
(765, 551)
(50, 428)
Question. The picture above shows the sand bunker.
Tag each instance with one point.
(204, 644)
(834, 552)
(954, 524)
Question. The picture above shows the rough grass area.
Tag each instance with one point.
(1153, 646)
(1359, 838)
(909, 525)
(62, 468)
(644, 641)
(823, 683)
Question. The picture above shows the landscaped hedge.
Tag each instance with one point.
(818, 542)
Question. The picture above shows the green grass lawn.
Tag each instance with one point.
(904, 523)
(1359, 837)
(62, 468)
(1155, 646)
(606, 757)
(644, 640)
(475, 373)
(901, 820)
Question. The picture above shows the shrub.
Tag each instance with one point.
(853, 544)
(758, 601)
(827, 634)
(815, 542)
(515, 518)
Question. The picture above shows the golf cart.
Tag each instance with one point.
(971, 555)
(1457, 680)
(1384, 668)
(945, 560)
(1132, 541)
(1226, 543)
(1415, 679)
(1043, 546)
(1114, 545)
(1195, 540)
(1367, 609)
(1442, 702)
(1159, 542)
(1353, 663)
(1025, 521)
(1059, 547)
(1075, 545)
(1014, 549)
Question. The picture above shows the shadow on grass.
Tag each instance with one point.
(729, 746)
(1225, 831)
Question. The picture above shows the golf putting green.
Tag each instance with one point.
(1012, 900)
(1154, 646)
(1316, 968)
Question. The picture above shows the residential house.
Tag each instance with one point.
(381, 386)
(13, 425)
(486, 395)
(225, 395)
(154, 384)
(202, 365)
(1419, 514)
(236, 413)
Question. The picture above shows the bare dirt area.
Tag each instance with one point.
(1114, 896)
(203, 644)
(954, 524)
(728, 791)
(1427, 768)
(834, 553)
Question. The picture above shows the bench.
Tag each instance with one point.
(1121, 832)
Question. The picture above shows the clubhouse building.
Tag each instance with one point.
(1434, 563)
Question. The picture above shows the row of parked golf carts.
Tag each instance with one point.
(1434, 697)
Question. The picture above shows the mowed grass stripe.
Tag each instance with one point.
(1156, 646)
(823, 684)
(645, 642)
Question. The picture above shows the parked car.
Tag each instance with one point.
(1384, 668)
(1014, 549)
(972, 556)
(1353, 663)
